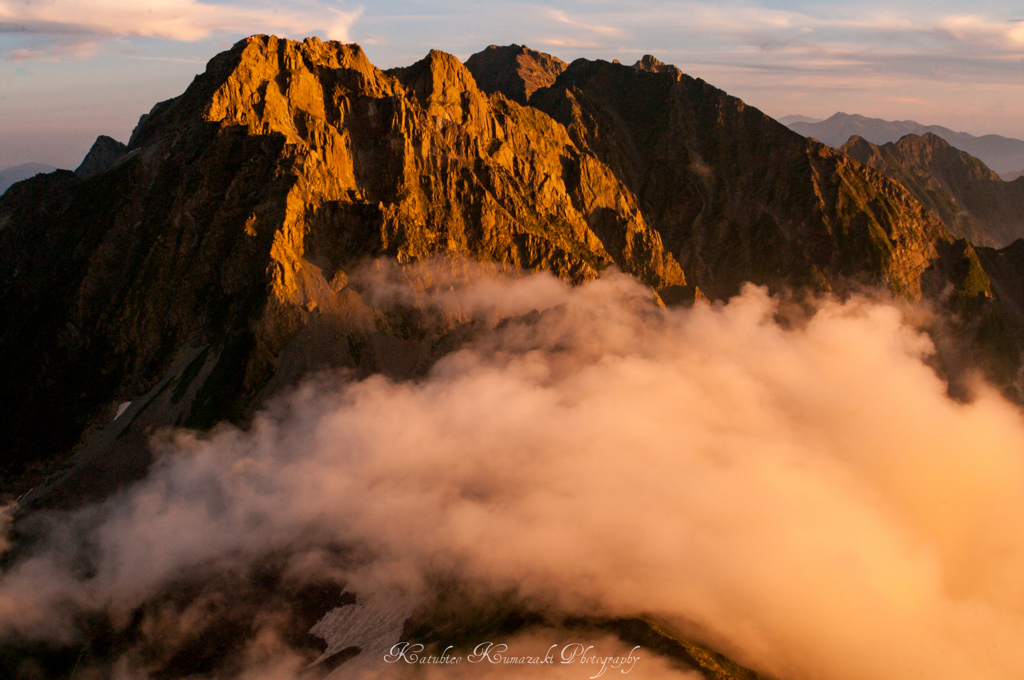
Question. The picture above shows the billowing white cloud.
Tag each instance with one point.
(803, 496)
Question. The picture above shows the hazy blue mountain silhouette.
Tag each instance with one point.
(1002, 154)
(16, 173)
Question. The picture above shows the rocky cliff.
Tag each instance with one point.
(228, 226)
(973, 201)
(735, 195)
(206, 266)
(1006, 274)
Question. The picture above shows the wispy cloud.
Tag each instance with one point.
(982, 30)
(826, 23)
(555, 42)
(60, 25)
(562, 17)
(906, 100)
(76, 49)
(928, 55)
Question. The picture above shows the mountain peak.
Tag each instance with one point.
(267, 85)
(514, 70)
(105, 152)
(652, 64)
(935, 155)
(273, 83)
(438, 77)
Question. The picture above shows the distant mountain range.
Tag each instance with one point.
(16, 173)
(787, 120)
(1002, 154)
(102, 155)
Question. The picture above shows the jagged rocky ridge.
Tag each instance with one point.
(735, 195)
(204, 267)
(972, 200)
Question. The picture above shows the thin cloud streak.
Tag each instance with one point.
(77, 49)
(729, 30)
(186, 20)
(562, 18)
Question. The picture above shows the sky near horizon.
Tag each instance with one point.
(75, 69)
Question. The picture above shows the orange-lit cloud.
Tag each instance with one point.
(804, 497)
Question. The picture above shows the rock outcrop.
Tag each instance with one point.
(652, 64)
(104, 154)
(973, 201)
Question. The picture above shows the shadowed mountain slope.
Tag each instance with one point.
(516, 71)
(735, 195)
(972, 200)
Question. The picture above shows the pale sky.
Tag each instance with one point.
(74, 69)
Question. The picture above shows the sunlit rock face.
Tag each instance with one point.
(223, 236)
(229, 225)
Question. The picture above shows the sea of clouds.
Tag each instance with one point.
(799, 493)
